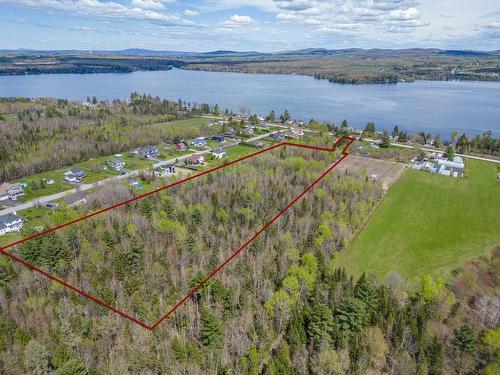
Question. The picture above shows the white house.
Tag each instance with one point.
(74, 175)
(10, 223)
(219, 153)
(10, 191)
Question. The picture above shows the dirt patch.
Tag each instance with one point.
(382, 171)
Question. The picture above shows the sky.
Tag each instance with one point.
(249, 25)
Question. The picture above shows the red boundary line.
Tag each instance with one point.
(216, 270)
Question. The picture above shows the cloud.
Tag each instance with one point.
(101, 9)
(149, 4)
(191, 13)
(348, 16)
(237, 20)
(296, 5)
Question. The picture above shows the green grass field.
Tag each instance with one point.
(195, 122)
(429, 223)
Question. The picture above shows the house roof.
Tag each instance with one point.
(218, 151)
(9, 218)
(4, 188)
(76, 170)
(195, 157)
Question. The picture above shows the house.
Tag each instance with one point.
(263, 126)
(196, 159)
(134, 182)
(219, 153)
(74, 175)
(218, 138)
(296, 132)
(116, 164)
(199, 142)
(278, 136)
(180, 146)
(229, 134)
(10, 223)
(148, 152)
(164, 170)
(248, 130)
(75, 199)
(10, 191)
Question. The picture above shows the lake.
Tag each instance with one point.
(431, 106)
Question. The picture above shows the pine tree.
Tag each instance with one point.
(386, 142)
(449, 153)
(146, 207)
(351, 315)
(72, 367)
(296, 334)
(365, 293)
(395, 132)
(465, 341)
(135, 255)
(211, 330)
(435, 357)
(319, 322)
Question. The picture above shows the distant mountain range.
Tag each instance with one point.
(228, 53)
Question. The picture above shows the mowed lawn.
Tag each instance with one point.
(429, 223)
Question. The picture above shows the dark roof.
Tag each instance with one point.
(8, 218)
(77, 171)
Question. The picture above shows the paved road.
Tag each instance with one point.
(406, 146)
(85, 187)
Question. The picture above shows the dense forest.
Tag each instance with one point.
(14, 64)
(281, 307)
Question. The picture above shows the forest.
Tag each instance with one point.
(282, 307)
(46, 134)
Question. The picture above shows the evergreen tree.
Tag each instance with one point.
(211, 330)
(72, 367)
(386, 142)
(296, 334)
(449, 153)
(437, 141)
(369, 129)
(146, 207)
(135, 254)
(271, 117)
(395, 132)
(465, 341)
(319, 323)
(365, 293)
(351, 315)
(435, 357)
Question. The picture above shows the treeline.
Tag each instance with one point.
(61, 64)
(480, 143)
(47, 134)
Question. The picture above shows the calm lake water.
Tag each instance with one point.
(470, 107)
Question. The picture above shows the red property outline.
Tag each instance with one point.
(218, 268)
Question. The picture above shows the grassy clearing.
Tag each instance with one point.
(94, 171)
(429, 223)
(196, 122)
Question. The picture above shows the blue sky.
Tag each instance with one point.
(263, 25)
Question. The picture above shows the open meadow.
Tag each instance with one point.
(429, 223)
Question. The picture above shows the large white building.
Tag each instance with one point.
(10, 223)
